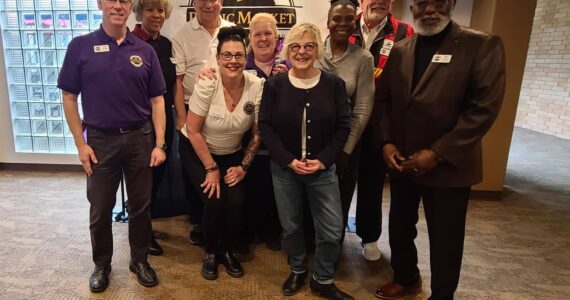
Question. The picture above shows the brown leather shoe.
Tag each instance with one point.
(393, 290)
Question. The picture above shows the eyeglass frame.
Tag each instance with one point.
(230, 55)
(311, 45)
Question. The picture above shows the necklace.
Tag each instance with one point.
(232, 97)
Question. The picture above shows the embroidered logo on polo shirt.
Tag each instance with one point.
(249, 107)
(136, 60)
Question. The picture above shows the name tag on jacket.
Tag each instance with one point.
(441, 58)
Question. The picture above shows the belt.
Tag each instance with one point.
(118, 130)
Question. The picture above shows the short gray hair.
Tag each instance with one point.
(295, 34)
(140, 5)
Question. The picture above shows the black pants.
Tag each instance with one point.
(186, 156)
(445, 212)
(222, 217)
(260, 210)
(127, 153)
(347, 183)
(371, 176)
(161, 170)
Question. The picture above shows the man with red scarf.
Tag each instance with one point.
(377, 31)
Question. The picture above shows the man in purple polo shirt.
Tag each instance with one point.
(121, 86)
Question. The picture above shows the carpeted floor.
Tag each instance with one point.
(516, 248)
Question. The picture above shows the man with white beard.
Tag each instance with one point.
(442, 90)
(376, 31)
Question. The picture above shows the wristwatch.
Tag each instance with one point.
(161, 146)
(244, 166)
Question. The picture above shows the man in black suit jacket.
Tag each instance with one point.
(442, 89)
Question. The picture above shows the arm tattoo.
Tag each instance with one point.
(253, 145)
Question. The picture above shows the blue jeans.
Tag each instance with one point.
(324, 202)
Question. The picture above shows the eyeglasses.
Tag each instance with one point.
(308, 46)
(423, 4)
(227, 56)
(122, 2)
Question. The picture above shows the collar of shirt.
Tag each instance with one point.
(141, 34)
(369, 34)
(104, 37)
(250, 65)
(196, 25)
(328, 50)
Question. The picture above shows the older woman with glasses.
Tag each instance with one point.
(305, 120)
(152, 14)
(220, 112)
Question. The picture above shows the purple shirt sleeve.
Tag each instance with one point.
(69, 78)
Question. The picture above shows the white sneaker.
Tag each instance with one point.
(371, 252)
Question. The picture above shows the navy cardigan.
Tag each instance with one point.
(281, 114)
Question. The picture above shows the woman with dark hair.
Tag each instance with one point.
(355, 66)
(260, 211)
(220, 112)
(152, 14)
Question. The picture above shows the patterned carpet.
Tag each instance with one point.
(516, 248)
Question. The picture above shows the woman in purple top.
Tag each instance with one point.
(261, 212)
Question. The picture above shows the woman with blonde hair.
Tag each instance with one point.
(304, 120)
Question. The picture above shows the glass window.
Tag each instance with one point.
(35, 36)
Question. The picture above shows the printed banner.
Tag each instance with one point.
(286, 12)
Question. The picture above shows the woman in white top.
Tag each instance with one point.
(220, 112)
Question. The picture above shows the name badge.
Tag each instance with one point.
(387, 47)
(441, 59)
(101, 48)
(217, 111)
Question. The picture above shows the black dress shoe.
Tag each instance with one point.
(155, 249)
(210, 267)
(243, 252)
(145, 274)
(196, 235)
(233, 267)
(99, 279)
(329, 291)
(294, 283)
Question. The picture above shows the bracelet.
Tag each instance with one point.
(212, 167)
